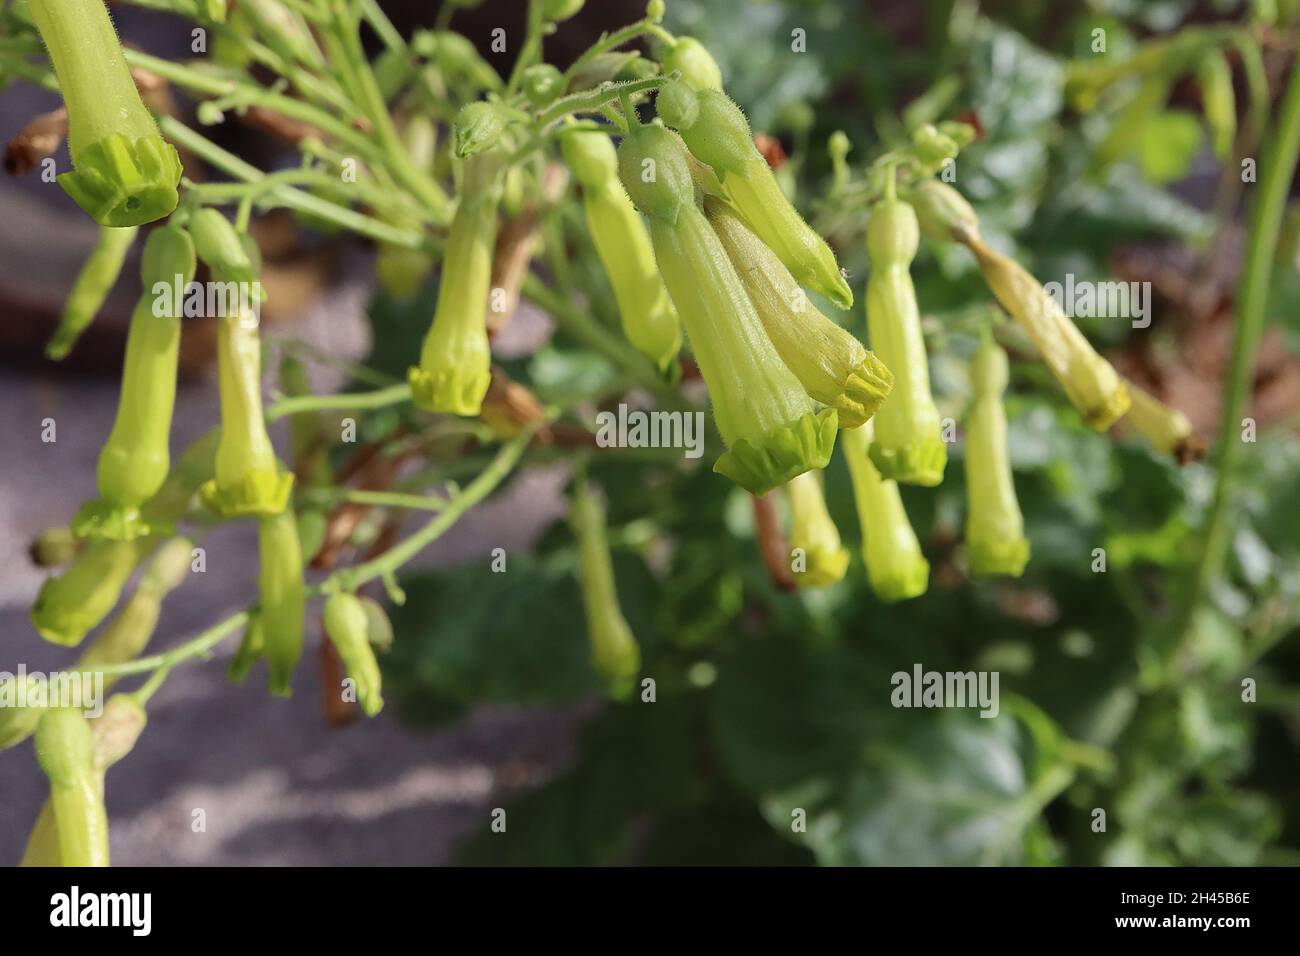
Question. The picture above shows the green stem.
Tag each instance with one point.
(381, 398)
(393, 499)
(1278, 164)
(530, 52)
(611, 41)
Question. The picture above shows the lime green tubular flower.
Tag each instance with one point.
(767, 420)
(699, 68)
(348, 624)
(135, 459)
(833, 366)
(113, 735)
(717, 132)
(71, 604)
(995, 529)
(614, 649)
(896, 568)
(819, 557)
(908, 444)
(93, 284)
(649, 320)
(456, 358)
(1166, 429)
(283, 597)
(1090, 382)
(124, 174)
(66, 752)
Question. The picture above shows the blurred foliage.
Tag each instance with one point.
(767, 703)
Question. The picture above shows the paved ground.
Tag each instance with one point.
(275, 784)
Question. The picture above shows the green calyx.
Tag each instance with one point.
(135, 459)
(817, 557)
(71, 604)
(654, 170)
(543, 84)
(677, 104)
(478, 127)
(123, 182)
(908, 444)
(698, 67)
(995, 540)
(283, 597)
(220, 246)
(833, 366)
(456, 357)
(941, 210)
(347, 624)
(896, 569)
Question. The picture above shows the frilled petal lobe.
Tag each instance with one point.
(457, 390)
(257, 491)
(122, 182)
(782, 454)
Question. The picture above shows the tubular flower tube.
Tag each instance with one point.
(813, 534)
(248, 480)
(91, 288)
(251, 647)
(135, 459)
(699, 69)
(347, 624)
(124, 174)
(941, 210)
(1167, 429)
(908, 446)
(69, 605)
(126, 636)
(995, 529)
(66, 751)
(649, 320)
(767, 420)
(833, 366)
(113, 735)
(614, 649)
(719, 135)
(456, 359)
(283, 597)
(896, 568)
(1090, 382)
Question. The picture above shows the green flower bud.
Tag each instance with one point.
(69, 605)
(543, 84)
(91, 288)
(135, 459)
(456, 358)
(247, 478)
(21, 707)
(1090, 382)
(649, 320)
(456, 56)
(908, 446)
(813, 534)
(379, 629)
(721, 138)
(218, 244)
(127, 635)
(559, 10)
(933, 148)
(995, 529)
(653, 168)
(1166, 429)
(677, 104)
(614, 649)
(896, 568)
(284, 30)
(347, 624)
(941, 210)
(699, 69)
(479, 127)
(765, 417)
(65, 750)
(124, 173)
(283, 597)
(833, 366)
(54, 547)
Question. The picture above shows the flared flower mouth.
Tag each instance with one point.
(921, 462)
(260, 491)
(864, 390)
(102, 519)
(782, 454)
(825, 566)
(459, 391)
(998, 555)
(122, 182)
(900, 581)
